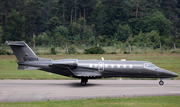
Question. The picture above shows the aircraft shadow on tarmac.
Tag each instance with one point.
(104, 85)
(76, 84)
(79, 85)
(71, 84)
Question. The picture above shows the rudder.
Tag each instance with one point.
(22, 51)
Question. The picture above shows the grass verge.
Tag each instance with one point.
(158, 101)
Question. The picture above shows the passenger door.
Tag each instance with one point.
(101, 66)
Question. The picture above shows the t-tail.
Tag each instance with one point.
(24, 53)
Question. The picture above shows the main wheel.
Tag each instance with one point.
(161, 82)
(84, 81)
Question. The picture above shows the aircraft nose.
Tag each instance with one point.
(174, 74)
(166, 73)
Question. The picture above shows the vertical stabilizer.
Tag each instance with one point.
(22, 51)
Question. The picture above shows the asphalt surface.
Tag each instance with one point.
(43, 90)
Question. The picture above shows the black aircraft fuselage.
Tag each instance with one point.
(87, 69)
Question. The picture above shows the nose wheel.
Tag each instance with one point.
(161, 82)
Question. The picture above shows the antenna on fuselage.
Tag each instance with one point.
(102, 58)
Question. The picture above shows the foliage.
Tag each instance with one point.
(32, 11)
(90, 21)
(1, 34)
(3, 52)
(15, 27)
(98, 17)
(75, 29)
(42, 39)
(72, 49)
(123, 32)
(126, 52)
(113, 53)
(53, 51)
(81, 21)
(94, 50)
(159, 23)
(151, 39)
(61, 32)
(139, 39)
(52, 24)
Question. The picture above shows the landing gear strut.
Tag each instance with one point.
(84, 81)
(161, 82)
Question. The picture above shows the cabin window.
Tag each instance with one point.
(112, 66)
(95, 65)
(90, 65)
(118, 66)
(106, 65)
(130, 66)
(124, 66)
(150, 65)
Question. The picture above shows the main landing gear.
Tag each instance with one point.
(161, 82)
(84, 81)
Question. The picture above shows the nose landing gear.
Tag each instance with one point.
(161, 82)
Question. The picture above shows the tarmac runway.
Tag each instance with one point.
(43, 90)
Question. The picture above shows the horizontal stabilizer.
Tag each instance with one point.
(20, 67)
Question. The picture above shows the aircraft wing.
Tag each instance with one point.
(73, 70)
(76, 72)
(86, 72)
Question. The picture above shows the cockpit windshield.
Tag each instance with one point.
(150, 65)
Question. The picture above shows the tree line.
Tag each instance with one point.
(91, 21)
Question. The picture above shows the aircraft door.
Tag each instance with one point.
(101, 66)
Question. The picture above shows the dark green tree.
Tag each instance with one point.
(61, 12)
(32, 14)
(153, 38)
(139, 11)
(168, 7)
(15, 29)
(98, 17)
(61, 32)
(53, 23)
(1, 31)
(158, 22)
(123, 32)
(117, 14)
(75, 30)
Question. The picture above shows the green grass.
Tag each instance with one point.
(159, 101)
(8, 65)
